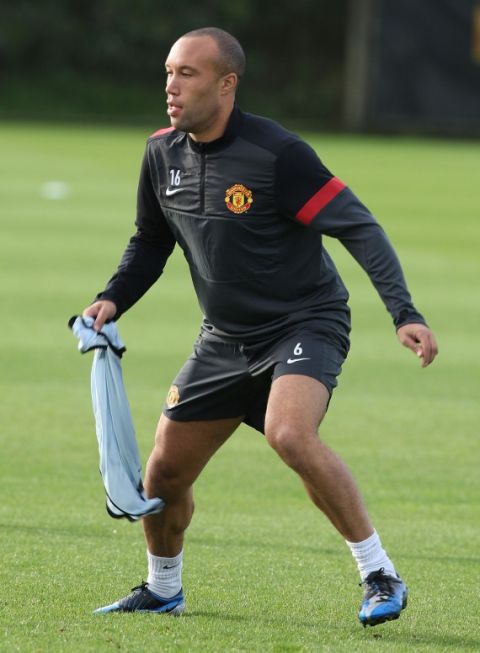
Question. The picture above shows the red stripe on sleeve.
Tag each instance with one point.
(162, 131)
(320, 200)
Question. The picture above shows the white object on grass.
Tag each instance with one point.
(55, 190)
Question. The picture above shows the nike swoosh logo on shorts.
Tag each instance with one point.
(172, 191)
(295, 360)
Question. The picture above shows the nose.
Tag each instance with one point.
(171, 86)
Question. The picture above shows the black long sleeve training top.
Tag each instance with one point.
(249, 211)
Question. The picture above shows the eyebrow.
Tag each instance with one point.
(182, 68)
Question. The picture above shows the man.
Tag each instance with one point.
(248, 202)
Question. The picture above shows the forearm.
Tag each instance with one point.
(351, 222)
(369, 245)
(141, 265)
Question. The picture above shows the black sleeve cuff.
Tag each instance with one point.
(408, 317)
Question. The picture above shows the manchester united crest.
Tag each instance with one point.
(173, 397)
(238, 198)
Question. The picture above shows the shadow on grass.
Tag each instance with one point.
(222, 616)
(442, 641)
(384, 632)
(237, 618)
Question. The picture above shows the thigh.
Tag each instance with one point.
(182, 449)
(304, 354)
(296, 405)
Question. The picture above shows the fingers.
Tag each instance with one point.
(103, 311)
(420, 340)
(428, 347)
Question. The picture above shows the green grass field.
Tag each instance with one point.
(263, 570)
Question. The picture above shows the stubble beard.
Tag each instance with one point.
(192, 124)
(182, 125)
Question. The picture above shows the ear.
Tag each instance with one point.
(228, 83)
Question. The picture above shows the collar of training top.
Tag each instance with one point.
(233, 127)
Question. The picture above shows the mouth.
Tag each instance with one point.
(173, 110)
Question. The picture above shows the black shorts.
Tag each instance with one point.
(222, 379)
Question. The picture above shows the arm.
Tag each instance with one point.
(322, 202)
(144, 258)
(348, 220)
(357, 230)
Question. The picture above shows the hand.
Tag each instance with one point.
(420, 340)
(103, 311)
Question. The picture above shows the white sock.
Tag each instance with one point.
(370, 556)
(165, 575)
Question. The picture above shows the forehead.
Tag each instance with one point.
(196, 52)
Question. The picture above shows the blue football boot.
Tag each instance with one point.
(142, 599)
(385, 597)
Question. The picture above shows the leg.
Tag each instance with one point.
(181, 451)
(296, 406)
(205, 405)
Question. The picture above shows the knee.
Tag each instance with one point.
(165, 478)
(162, 467)
(288, 440)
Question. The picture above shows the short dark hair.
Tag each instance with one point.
(232, 56)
